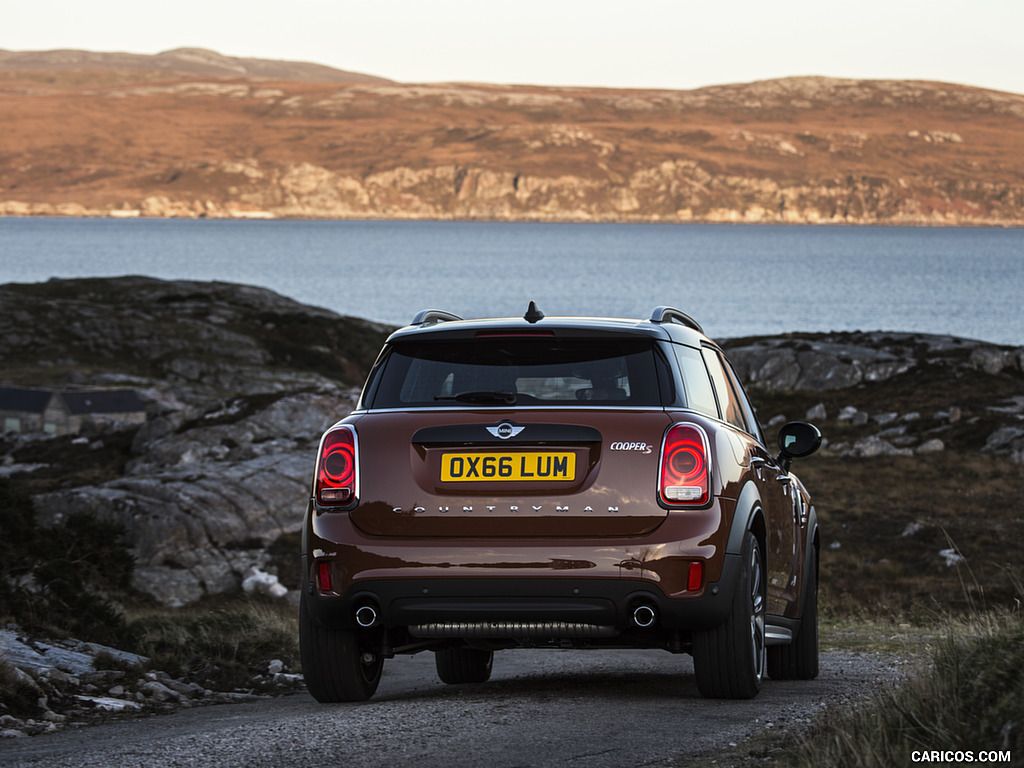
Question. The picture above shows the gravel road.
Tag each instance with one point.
(541, 708)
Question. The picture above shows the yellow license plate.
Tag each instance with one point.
(507, 467)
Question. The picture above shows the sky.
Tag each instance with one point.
(678, 44)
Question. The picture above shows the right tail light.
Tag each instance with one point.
(685, 469)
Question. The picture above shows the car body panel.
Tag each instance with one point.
(602, 500)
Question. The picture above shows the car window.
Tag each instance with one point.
(741, 397)
(544, 371)
(728, 403)
(699, 395)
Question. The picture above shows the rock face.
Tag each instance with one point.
(240, 383)
(203, 500)
(778, 364)
(808, 150)
(74, 682)
(189, 341)
(982, 383)
(822, 362)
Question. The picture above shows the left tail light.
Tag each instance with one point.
(685, 471)
(336, 468)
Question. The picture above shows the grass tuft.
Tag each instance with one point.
(966, 697)
(219, 644)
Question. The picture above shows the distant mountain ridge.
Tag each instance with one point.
(195, 61)
(197, 134)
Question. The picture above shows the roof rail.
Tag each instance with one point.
(670, 314)
(433, 316)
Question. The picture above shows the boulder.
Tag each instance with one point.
(817, 364)
(201, 503)
(826, 362)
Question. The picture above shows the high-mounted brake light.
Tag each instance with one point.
(685, 475)
(336, 468)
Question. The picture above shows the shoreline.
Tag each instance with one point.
(76, 212)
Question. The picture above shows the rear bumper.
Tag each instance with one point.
(597, 582)
(508, 603)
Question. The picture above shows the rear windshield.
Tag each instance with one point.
(503, 372)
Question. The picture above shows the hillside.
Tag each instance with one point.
(198, 134)
(178, 62)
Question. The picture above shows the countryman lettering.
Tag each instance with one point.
(561, 509)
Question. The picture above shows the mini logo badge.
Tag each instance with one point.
(505, 430)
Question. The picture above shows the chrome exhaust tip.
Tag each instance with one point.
(644, 616)
(366, 616)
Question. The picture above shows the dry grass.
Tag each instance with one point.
(220, 644)
(966, 697)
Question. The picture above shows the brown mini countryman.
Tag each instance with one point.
(557, 482)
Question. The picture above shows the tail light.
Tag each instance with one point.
(336, 468)
(685, 474)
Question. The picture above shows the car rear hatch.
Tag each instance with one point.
(508, 473)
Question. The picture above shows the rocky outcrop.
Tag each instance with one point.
(181, 340)
(984, 400)
(240, 383)
(670, 191)
(821, 362)
(74, 682)
(209, 491)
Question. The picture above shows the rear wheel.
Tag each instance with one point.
(338, 664)
(729, 660)
(463, 665)
(799, 659)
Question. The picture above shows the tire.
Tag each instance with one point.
(729, 660)
(463, 665)
(799, 659)
(338, 664)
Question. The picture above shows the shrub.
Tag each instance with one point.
(63, 578)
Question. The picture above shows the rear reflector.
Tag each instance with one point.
(323, 574)
(695, 578)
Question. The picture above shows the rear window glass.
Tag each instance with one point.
(501, 372)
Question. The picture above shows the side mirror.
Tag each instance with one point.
(796, 440)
